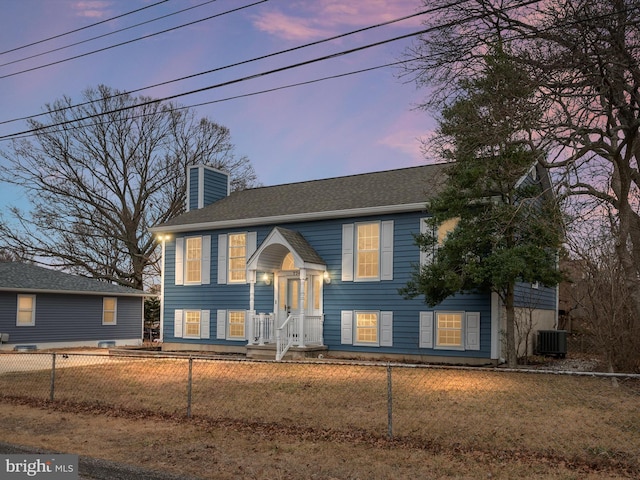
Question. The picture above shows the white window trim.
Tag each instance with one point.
(33, 311)
(462, 330)
(228, 335)
(115, 310)
(355, 328)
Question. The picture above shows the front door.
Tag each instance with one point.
(288, 298)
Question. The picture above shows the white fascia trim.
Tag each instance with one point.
(297, 217)
(75, 292)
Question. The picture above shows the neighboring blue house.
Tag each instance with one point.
(314, 268)
(44, 308)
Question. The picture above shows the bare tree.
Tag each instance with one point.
(601, 295)
(584, 56)
(100, 173)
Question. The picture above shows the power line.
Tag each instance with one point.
(83, 28)
(254, 59)
(133, 40)
(108, 33)
(33, 131)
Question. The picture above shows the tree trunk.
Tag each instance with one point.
(511, 354)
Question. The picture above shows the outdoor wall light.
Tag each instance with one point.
(326, 277)
(266, 278)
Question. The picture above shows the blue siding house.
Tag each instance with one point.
(43, 308)
(314, 268)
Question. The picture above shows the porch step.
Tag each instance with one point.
(268, 352)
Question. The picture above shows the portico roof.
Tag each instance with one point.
(277, 245)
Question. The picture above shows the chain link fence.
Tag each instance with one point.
(592, 418)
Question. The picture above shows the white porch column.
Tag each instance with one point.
(251, 277)
(303, 284)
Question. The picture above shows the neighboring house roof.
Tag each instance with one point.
(390, 191)
(15, 276)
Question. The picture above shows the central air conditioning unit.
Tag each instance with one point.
(552, 342)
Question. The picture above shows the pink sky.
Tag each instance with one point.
(356, 124)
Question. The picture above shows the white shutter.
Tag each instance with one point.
(221, 325)
(472, 333)
(177, 324)
(386, 250)
(206, 260)
(346, 327)
(179, 273)
(425, 257)
(222, 259)
(426, 329)
(386, 329)
(347, 253)
(252, 243)
(205, 323)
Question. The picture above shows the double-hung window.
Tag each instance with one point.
(193, 260)
(237, 258)
(26, 315)
(439, 235)
(192, 323)
(109, 305)
(234, 250)
(367, 251)
(367, 327)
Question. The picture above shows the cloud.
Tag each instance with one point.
(320, 18)
(91, 8)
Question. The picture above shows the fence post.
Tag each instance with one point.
(389, 403)
(189, 383)
(53, 377)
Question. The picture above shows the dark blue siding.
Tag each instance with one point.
(326, 238)
(527, 296)
(70, 318)
(215, 186)
(193, 188)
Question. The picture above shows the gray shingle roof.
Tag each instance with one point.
(406, 186)
(300, 245)
(27, 277)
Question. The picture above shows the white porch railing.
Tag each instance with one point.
(286, 335)
(289, 333)
(263, 331)
(262, 328)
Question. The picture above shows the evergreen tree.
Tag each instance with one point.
(505, 230)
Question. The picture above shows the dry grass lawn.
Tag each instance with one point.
(328, 421)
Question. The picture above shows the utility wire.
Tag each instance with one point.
(221, 100)
(261, 74)
(108, 33)
(34, 131)
(254, 59)
(83, 28)
(133, 40)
